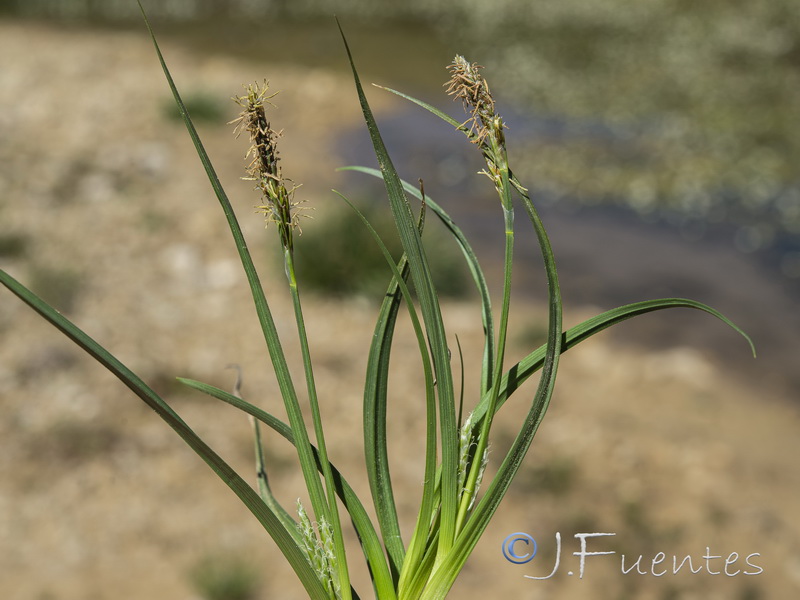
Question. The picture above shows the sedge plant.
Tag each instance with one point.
(456, 502)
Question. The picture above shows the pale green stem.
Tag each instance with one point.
(504, 190)
(331, 512)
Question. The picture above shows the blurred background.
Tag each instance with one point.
(661, 140)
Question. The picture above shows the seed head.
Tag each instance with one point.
(264, 167)
(467, 84)
(485, 125)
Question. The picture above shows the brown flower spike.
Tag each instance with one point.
(264, 168)
(467, 84)
(485, 126)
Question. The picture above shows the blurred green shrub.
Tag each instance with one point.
(202, 106)
(221, 576)
(12, 245)
(556, 477)
(337, 256)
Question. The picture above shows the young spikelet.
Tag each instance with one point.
(479, 480)
(264, 168)
(319, 550)
(325, 549)
(465, 444)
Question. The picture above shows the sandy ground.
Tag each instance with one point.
(98, 498)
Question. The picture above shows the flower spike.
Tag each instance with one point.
(264, 168)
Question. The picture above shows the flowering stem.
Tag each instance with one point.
(332, 512)
(486, 131)
(278, 207)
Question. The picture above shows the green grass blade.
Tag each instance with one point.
(520, 372)
(427, 505)
(246, 494)
(367, 535)
(375, 401)
(431, 313)
(433, 110)
(277, 356)
(489, 351)
(461, 389)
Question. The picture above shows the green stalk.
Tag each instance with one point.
(500, 159)
(332, 512)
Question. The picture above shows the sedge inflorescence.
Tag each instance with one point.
(485, 126)
(264, 168)
(468, 85)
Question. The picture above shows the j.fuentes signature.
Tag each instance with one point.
(520, 548)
